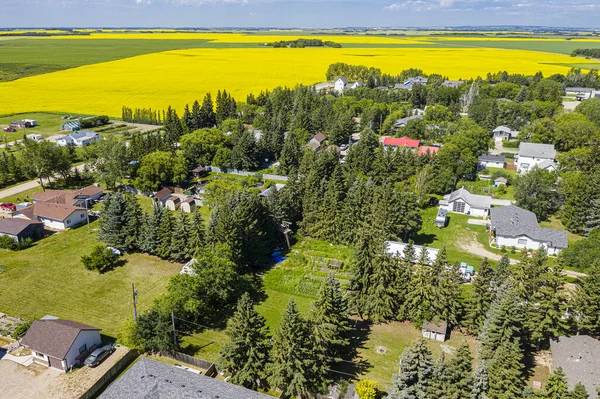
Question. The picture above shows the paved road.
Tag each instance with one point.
(9, 192)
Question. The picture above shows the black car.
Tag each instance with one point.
(97, 356)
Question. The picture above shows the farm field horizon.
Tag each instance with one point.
(157, 70)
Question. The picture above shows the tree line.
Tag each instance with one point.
(301, 43)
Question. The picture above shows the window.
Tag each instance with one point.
(68, 221)
(82, 215)
(38, 354)
(522, 241)
(82, 349)
(458, 206)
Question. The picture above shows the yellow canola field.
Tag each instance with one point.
(181, 76)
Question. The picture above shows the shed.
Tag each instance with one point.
(173, 203)
(442, 218)
(500, 181)
(435, 331)
(20, 229)
(199, 172)
(188, 205)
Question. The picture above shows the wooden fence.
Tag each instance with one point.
(111, 374)
(211, 368)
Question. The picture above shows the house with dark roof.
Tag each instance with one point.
(60, 344)
(409, 83)
(20, 229)
(163, 195)
(491, 161)
(400, 123)
(455, 84)
(149, 378)
(517, 227)
(532, 154)
(462, 201)
(579, 357)
(55, 216)
(436, 331)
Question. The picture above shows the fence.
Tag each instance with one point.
(114, 371)
(247, 173)
(211, 368)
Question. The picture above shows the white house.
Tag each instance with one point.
(491, 161)
(79, 139)
(340, 84)
(517, 227)
(397, 249)
(54, 216)
(532, 154)
(34, 137)
(462, 201)
(504, 133)
(60, 344)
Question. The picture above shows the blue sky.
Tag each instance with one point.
(298, 13)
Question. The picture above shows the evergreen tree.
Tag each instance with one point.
(291, 154)
(414, 378)
(506, 374)
(481, 298)
(187, 119)
(206, 116)
(120, 222)
(245, 355)
(447, 290)
(296, 366)
(480, 385)
(557, 386)
(441, 379)
(501, 273)
(149, 239)
(460, 373)
(587, 301)
(153, 331)
(382, 291)
(421, 293)
(173, 126)
(180, 248)
(165, 233)
(361, 271)
(579, 392)
(197, 237)
(329, 314)
(196, 116)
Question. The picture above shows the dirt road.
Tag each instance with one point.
(8, 192)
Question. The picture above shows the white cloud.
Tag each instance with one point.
(413, 5)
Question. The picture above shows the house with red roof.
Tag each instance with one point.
(427, 150)
(405, 141)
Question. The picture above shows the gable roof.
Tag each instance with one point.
(474, 200)
(15, 226)
(512, 221)
(503, 129)
(579, 357)
(165, 192)
(53, 337)
(491, 158)
(440, 328)
(47, 195)
(149, 378)
(49, 210)
(343, 79)
(396, 248)
(423, 150)
(320, 137)
(404, 121)
(401, 142)
(535, 150)
(83, 134)
(545, 164)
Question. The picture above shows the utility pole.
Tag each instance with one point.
(134, 293)
(87, 212)
(174, 332)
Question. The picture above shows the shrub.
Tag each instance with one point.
(503, 249)
(8, 243)
(21, 329)
(366, 389)
(100, 259)
(513, 250)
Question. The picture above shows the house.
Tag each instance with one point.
(34, 137)
(500, 181)
(462, 201)
(547, 164)
(162, 195)
(21, 124)
(435, 331)
(70, 126)
(78, 198)
(149, 378)
(442, 218)
(517, 227)
(397, 249)
(188, 205)
(491, 161)
(79, 139)
(340, 84)
(173, 203)
(54, 216)
(411, 82)
(531, 154)
(504, 133)
(267, 192)
(579, 357)
(32, 122)
(355, 85)
(400, 123)
(405, 142)
(20, 229)
(427, 150)
(199, 172)
(452, 83)
(60, 344)
(315, 142)
(580, 93)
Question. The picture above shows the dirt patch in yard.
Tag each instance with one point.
(474, 247)
(20, 382)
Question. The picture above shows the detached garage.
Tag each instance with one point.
(60, 344)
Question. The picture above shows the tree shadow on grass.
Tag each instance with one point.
(352, 366)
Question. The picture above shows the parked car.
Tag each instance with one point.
(97, 356)
(10, 129)
(8, 206)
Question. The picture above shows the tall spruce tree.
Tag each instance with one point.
(291, 155)
(587, 301)
(421, 294)
(447, 290)
(501, 273)
(506, 371)
(120, 221)
(481, 298)
(383, 290)
(197, 237)
(180, 248)
(149, 238)
(196, 117)
(461, 373)
(361, 271)
(206, 116)
(579, 392)
(557, 386)
(246, 354)
(329, 315)
(296, 366)
(187, 119)
(480, 387)
(414, 377)
(165, 233)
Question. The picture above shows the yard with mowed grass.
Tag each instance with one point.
(48, 124)
(49, 278)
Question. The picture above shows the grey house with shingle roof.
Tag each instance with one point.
(60, 344)
(579, 357)
(517, 227)
(462, 201)
(149, 378)
(532, 154)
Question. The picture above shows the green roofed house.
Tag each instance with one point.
(70, 126)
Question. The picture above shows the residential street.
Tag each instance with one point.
(29, 185)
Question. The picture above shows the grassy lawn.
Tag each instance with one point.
(48, 278)
(457, 231)
(48, 124)
(20, 197)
